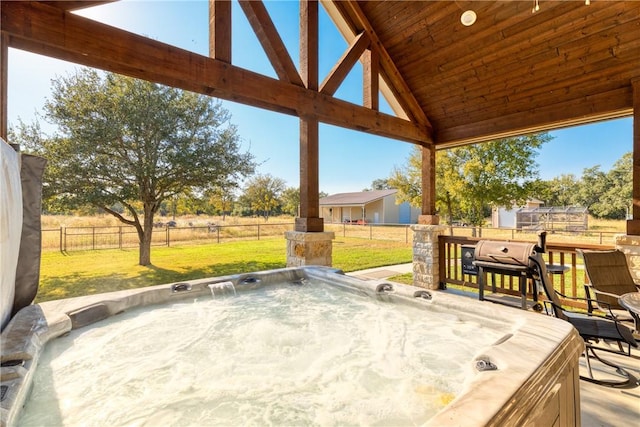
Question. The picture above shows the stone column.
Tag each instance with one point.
(426, 266)
(309, 248)
(630, 245)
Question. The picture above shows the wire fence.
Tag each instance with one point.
(67, 239)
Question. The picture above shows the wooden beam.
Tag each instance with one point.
(341, 69)
(51, 32)
(4, 79)
(270, 40)
(220, 30)
(309, 43)
(370, 80)
(633, 225)
(403, 93)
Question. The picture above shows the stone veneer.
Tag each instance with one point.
(426, 271)
(309, 248)
(630, 245)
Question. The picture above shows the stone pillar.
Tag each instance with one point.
(309, 248)
(426, 256)
(630, 245)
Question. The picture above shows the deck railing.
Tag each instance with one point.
(570, 282)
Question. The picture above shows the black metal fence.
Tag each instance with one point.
(121, 237)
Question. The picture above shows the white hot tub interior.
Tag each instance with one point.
(305, 345)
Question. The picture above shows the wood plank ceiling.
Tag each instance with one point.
(513, 71)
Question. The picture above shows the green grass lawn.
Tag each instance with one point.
(64, 275)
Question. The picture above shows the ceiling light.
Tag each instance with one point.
(468, 18)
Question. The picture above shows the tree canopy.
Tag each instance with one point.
(131, 143)
(262, 193)
(471, 179)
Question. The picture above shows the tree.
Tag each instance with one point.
(592, 185)
(559, 191)
(380, 184)
(291, 201)
(471, 179)
(137, 144)
(222, 197)
(615, 201)
(262, 193)
(619, 196)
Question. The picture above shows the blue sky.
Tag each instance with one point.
(349, 160)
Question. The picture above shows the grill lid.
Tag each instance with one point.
(501, 252)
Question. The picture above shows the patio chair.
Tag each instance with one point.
(609, 277)
(592, 328)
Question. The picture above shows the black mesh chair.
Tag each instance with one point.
(592, 328)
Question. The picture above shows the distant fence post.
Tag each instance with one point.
(167, 237)
(258, 231)
(218, 233)
(93, 238)
(120, 237)
(61, 238)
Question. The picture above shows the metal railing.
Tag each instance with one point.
(67, 239)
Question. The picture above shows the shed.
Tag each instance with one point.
(367, 207)
(573, 218)
(503, 217)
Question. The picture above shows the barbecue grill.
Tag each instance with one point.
(511, 259)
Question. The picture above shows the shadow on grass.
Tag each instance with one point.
(74, 285)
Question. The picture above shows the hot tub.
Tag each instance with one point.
(418, 357)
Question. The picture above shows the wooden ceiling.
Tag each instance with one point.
(512, 72)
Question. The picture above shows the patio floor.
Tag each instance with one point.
(599, 405)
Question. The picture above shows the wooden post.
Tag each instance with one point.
(370, 79)
(309, 184)
(309, 219)
(220, 30)
(633, 225)
(428, 215)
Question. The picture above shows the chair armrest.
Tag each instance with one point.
(604, 306)
(609, 294)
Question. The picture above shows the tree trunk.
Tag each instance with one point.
(145, 237)
(145, 247)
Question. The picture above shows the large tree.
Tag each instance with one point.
(471, 179)
(559, 191)
(608, 194)
(262, 194)
(131, 143)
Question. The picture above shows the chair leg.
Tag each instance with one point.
(629, 380)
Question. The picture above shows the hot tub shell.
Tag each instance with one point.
(536, 382)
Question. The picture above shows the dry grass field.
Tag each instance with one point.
(70, 233)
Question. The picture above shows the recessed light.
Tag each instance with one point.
(468, 18)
